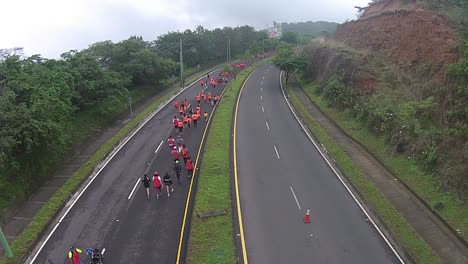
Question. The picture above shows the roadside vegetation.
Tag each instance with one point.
(414, 120)
(47, 106)
(22, 244)
(394, 221)
(212, 239)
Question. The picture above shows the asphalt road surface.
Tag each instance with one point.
(134, 230)
(281, 175)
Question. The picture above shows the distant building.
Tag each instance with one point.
(276, 31)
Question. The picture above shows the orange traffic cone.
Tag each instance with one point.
(307, 217)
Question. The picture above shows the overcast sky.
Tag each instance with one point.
(51, 27)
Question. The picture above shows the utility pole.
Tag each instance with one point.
(228, 53)
(181, 65)
(263, 46)
(5, 244)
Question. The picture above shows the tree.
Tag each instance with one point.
(289, 37)
(290, 64)
(284, 51)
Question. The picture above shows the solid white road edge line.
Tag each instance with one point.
(134, 187)
(339, 177)
(295, 198)
(156, 151)
(276, 150)
(110, 158)
(266, 122)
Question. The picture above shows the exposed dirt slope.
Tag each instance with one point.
(405, 33)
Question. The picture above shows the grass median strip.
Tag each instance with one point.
(394, 221)
(211, 239)
(24, 242)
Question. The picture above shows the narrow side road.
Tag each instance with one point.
(282, 176)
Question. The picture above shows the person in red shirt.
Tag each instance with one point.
(185, 154)
(195, 119)
(198, 98)
(189, 167)
(180, 125)
(175, 121)
(74, 255)
(185, 120)
(157, 182)
(218, 97)
(171, 142)
(175, 153)
(181, 110)
(176, 104)
(189, 122)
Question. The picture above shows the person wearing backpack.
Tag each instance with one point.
(175, 153)
(171, 142)
(180, 143)
(146, 183)
(157, 184)
(74, 255)
(189, 167)
(168, 183)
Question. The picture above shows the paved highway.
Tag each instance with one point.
(281, 175)
(131, 228)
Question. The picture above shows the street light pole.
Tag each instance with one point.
(5, 244)
(228, 50)
(181, 65)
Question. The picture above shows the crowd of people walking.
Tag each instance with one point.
(188, 116)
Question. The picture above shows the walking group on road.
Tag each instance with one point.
(187, 118)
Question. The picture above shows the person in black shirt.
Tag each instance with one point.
(146, 183)
(168, 183)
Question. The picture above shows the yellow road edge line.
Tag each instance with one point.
(236, 181)
(181, 239)
(184, 221)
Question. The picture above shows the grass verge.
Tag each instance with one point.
(211, 239)
(32, 232)
(455, 213)
(394, 221)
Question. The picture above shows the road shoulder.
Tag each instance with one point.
(415, 213)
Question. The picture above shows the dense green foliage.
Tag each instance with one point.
(22, 244)
(394, 221)
(421, 117)
(202, 46)
(288, 62)
(45, 103)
